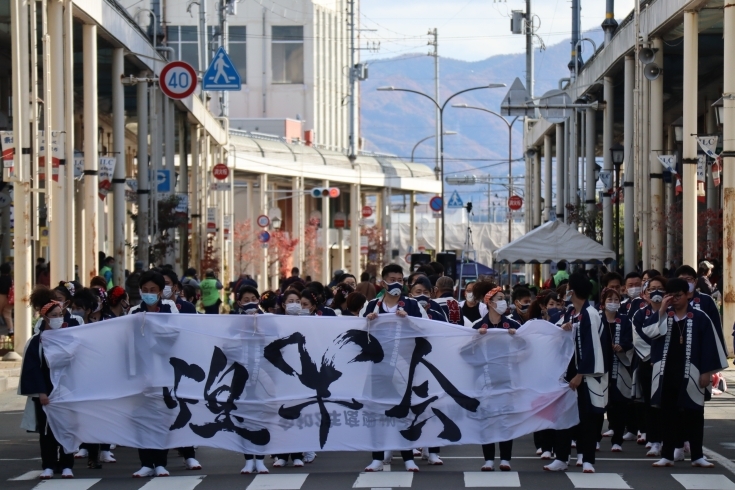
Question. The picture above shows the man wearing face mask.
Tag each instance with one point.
(420, 289)
(700, 301)
(392, 303)
(522, 301)
(445, 299)
(171, 292)
(633, 288)
(248, 300)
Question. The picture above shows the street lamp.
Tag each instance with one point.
(719, 106)
(445, 133)
(441, 108)
(618, 156)
(678, 126)
(510, 158)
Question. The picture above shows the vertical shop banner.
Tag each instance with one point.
(106, 170)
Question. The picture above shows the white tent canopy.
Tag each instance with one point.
(552, 242)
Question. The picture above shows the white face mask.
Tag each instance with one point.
(614, 307)
(55, 323)
(634, 292)
(305, 312)
(470, 297)
(691, 287)
(501, 306)
(168, 292)
(568, 296)
(293, 309)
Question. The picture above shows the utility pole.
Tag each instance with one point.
(435, 53)
(352, 150)
(529, 48)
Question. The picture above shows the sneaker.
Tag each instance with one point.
(574, 444)
(107, 457)
(424, 453)
(376, 465)
(663, 463)
(655, 450)
(687, 448)
(248, 468)
(192, 464)
(297, 463)
(556, 465)
(629, 436)
(81, 454)
(144, 472)
(68, 474)
(597, 447)
(588, 468)
(488, 466)
(113, 447)
(608, 433)
(161, 471)
(411, 466)
(434, 459)
(679, 454)
(279, 463)
(417, 452)
(641, 438)
(579, 460)
(46, 474)
(700, 463)
(504, 465)
(387, 457)
(546, 455)
(260, 467)
(539, 451)
(309, 457)
(649, 444)
(617, 448)
(94, 465)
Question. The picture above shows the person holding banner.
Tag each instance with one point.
(247, 300)
(586, 374)
(420, 290)
(35, 382)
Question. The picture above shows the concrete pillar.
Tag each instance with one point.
(644, 173)
(412, 222)
(573, 170)
(68, 30)
(669, 190)
(589, 150)
(143, 249)
(547, 178)
(194, 202)
(355, 217)
(607, 164)
(559, 171)
(689, 160)
(728, 177)
(118, 181)
(567, 163)
(537, 189)
(326, 243)
(169, 136)
(262, 206)
(628, 189)
(88, 268)
(183, 188)
(712, 193)
(656, 139)
(297, 219)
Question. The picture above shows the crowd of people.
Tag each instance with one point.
(647, 349)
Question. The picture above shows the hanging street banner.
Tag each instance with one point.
(708, 144)
(669, 162)
(701, 167)
(78, 165)
(268, 384)
(57, 154)
(106, 170)
(8, 148)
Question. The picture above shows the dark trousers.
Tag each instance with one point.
(616, 412)
(248, 457)
(187, 452)
(406, 455)
(94, 450)
(285, 456)
(506, 451)
(213, 309)
(50, 447)
(545, 440)
(681, 425)
(645, 372)
(585, 433)
(151, 458)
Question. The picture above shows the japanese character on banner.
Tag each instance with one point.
(57, 154)
(708, 144)
(669, 163)
(716, 169)
(106, 169)
(8, 147)
(701, 167)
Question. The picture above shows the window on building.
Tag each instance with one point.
(237, 49)
(184, 41)
(287, 54)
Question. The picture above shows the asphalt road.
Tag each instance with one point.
(19, 458)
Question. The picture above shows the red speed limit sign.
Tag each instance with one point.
(220, 171)
(178, 80)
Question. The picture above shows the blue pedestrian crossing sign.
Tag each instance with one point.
(455, 201)
(221, 74)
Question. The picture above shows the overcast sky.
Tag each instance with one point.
(470, 29)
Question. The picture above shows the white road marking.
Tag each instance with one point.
(480, 458)
(278, 482)
(384, 480)
(485, 479)
(698, 481)
(720, 459)
(30, 475)
(73, 484)
(597, 480)
(174, 483)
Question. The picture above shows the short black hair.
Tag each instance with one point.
(189, 291)
(580, 284)
(171, 275)
(685, 270)
(247, 289)
(86, 299)
(64, 290)
(190, 272)
(651, 273)
(677, 285)
(152, 276)
(426, 269)
(109, 259)
(269, 299)
(562, 265)
(632, 275)
(391, 269)
(438, 268)
(295, 271)
(520, 293)
(365, 277)
(611, 276)
(5, 268)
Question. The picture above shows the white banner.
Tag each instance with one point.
(701, 167)
(106, 171)
(708, 144)
(267, 384)
(8, 148)
(669, 162)
(57, 153)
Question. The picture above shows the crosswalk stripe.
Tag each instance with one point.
(484, 479)
(699, 481)
(597, 480)
(173, 483)
(278, 482)
(384, 480)
(72, 484)
(29, 475)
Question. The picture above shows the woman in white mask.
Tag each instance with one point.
(473, 309)
(248, 300)
(291, 302)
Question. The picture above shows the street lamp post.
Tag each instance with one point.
(445, 133)
(441, 108)
(618, 156)
(510, 157)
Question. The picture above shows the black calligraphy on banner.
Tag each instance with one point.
(225, 420)
(319, 378)
(451, 430)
